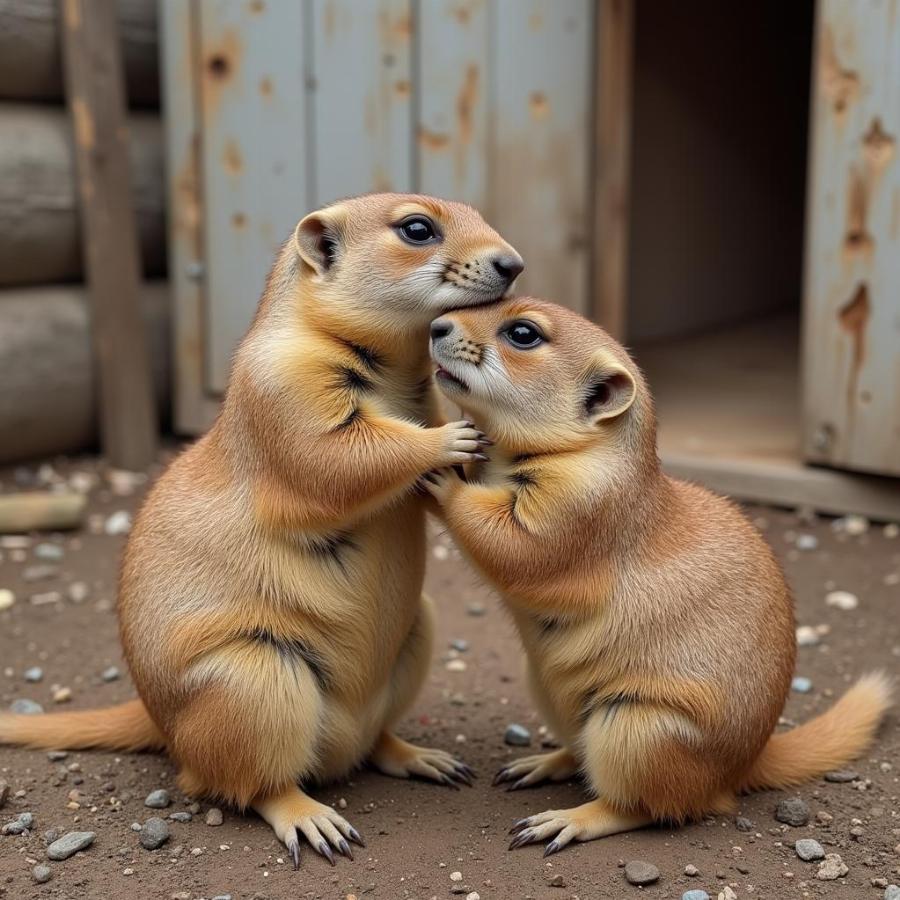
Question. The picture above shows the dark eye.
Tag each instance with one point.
(417, 230)
(523, 335)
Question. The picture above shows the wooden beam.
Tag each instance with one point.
(95, 96)
(612, 151)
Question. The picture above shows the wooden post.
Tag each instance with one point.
(95, 96)
(612, 150)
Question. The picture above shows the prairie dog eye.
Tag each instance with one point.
(418, 230)
(523, 335)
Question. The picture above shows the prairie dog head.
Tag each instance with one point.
(399, 260)
(538, 377)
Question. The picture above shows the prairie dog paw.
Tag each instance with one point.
(397, 757)
(440, 483)
(461, 442)
(531, 770)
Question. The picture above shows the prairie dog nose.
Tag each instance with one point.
(440, 328)
(508, 266)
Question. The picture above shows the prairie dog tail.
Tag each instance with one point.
(124, 727)
(826, 742)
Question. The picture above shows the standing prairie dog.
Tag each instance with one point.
(270, 600)
(657, 624)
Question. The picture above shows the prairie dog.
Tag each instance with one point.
(657, 625)
(270, 599)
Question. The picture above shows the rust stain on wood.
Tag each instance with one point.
(329, 20)
(402, 88)
(266, 88)
(857, 239)
(239, 220)
(85, 134)
(538, 105)
(232, 158)
(466, 102)
(433, 140)
(257, 7)
(221, 61)
(878, 146)
(853, 318)
(840, 85)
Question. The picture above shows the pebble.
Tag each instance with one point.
(21, 824)
(475, 609)
(158, 799)
(460, 644)
(49, 552)
(852, 525)
(892, 892)
(62, 695)
(842, 600)
(832, 868)
(456, 665)
(807, 542)
(70, 844)
(807, 636)
(41, 874)
(473, 896)
(639, 872)
(743, 824)
(214, 817)
(26, 707)
(456, 876)
(34, 674)
(154, 834)
(842, 776)
(727, 894)
(78, 591)
(691, 870)
(118, 523)
(111, 674)
(801, 685)
(7, 598)
(39, 573)
(809, 850)
(891, 531)
(557, 881)
(180, 817)
(57, 755)
(45, 599)
(517, 735)
(792, 811)
(695, 895)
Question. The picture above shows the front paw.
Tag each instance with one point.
(462, 442)
(441, 483)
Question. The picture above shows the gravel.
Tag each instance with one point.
(743, 824)
(181, 817)
(691, 870)
(70, 844)
(639, 872)
(26, 707)
(461, 645)
(7, 598)
(41, 874)
(695, 895)
(158, 799)
(809, 850)
(842, 600)
(154, 834)
(517, 735)
(34, 674)
(20, 825)
(111, 674)
(892, 892)
(214, 817)
(842, 776)
(49, 552)
(792, 811)
(832, 868)
(801, 685)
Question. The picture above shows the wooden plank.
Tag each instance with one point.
(93, 70)
(452, 127)
(362, 97)
(612, 153)
(540, 166)
(253, 157)
(193, 406)
(852, 285)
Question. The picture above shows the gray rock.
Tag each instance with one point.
(20, 825)
(34, 674)
(557, 881)
(792, 811)
(460, 644)
(181, 817)
(222, 897)
(57, 755)
(40, 572)
(832, 868)
(214, 817)
(475, 608)
(801, 685)
(26, 707)
(41, 874)
(51, 835)
(111, 674)
(136, 826)
(154, 834)
(892, 892)
(809, 850)
(695, 895)
(158, 799)
(517, 735)
(842, 776)
(639, 872)
(743, 824)
(49, 552)
(70, 844)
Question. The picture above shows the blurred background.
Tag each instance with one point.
(720, 191)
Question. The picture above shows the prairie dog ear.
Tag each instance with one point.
(318, 239)
(610, 390)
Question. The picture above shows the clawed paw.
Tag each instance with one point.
(327, 833)
(531, 770)
(404, 760)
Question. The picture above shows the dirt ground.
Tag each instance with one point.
(417, 833)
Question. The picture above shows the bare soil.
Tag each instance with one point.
(418, 833)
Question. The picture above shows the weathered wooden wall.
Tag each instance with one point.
(852, 291)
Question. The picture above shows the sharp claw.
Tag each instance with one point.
(344, 847)
(552, 848)
(518, 785)
(355, 837)
(294, 850)
(481, 457)
(520, 840)
(469, 770)
(325, 850)
(501, 776)
(518, 826)
(450, 782)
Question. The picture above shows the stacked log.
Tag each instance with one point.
(48, 392)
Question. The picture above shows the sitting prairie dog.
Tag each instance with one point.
(270, 600)
(657, 625)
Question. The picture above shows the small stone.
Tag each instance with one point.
(26, 707)
(639, 872)
(852, 525)
(807, 542)
(214, 817)
(474, 895)
(158, 799)
(891, 531)
(809, 850)
(807, 636)
(49, 552)
(801, 684)
(727, 894)
(557, 881)
(460, 644)
(7, 598)
(842, 600)
(136, 826)
(45, 599)
(34, 674)
(892, 892)
(691, 870)
(70, 844)
(154, 833)
(832, 868)
(110, 674)
(792, 811)
(41, 874)
(39, 573)
(128, 871)
(62, 695)
(57, 755)
(456, 876)
(695, 895)
(78, 591)
(743, 824)
(342, 803)
(475, 608)
(180, 817)
(118, 523)
(20, 825)
(517, 735)
(842, 776)
(456, 665)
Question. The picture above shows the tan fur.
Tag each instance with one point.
(270, 598)
(657, 624)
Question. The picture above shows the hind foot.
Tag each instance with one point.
(397, 757)
(530, 770)
(293, 811)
